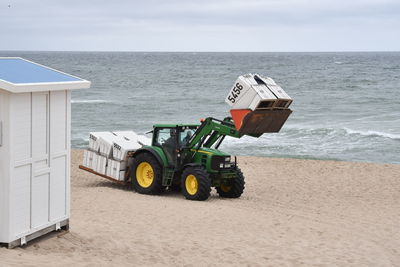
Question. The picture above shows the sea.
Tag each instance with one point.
(346, 105)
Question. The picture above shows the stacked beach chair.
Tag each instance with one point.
(253, 91)
(258, 105)
(108, 152)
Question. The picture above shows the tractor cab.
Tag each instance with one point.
(172, 139)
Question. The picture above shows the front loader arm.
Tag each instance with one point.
(247, 122)
(213, 129)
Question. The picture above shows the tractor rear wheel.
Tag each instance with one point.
(146, 175)
(196, 183)
(234, 188)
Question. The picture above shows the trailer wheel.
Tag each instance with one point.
(195, 183)
(146, 175)
(234, 188)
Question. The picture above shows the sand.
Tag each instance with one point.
(293, 213)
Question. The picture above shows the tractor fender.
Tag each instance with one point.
(159, 155)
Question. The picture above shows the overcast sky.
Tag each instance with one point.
(208, 25)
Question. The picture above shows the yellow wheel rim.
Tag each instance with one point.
(226, 188)
(191, 184)
(144, 174)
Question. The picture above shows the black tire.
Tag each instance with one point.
(202, 179)
(156, 186)
(235, 187)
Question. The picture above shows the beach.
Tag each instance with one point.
(294, 212)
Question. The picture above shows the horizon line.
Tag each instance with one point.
(193, 51)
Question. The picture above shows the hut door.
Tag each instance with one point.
(40, 158)
(59, 163)
(20, 180)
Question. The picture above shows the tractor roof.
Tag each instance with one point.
(175, 125)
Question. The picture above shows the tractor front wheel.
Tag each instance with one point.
(234, 188)
(146, 175)
(195, 183)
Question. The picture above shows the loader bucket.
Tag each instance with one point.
(257, 122)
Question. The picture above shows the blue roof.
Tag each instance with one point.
(18, 70)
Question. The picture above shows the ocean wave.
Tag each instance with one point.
(373, 133)
(318, 142)
(331, 131)
(89, 101)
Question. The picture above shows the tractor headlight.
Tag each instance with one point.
(220, 162)
(228, 165)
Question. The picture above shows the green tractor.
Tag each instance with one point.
(186, 156)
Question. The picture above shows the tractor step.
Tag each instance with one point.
(168, 176)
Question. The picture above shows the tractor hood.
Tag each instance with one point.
(210, 151)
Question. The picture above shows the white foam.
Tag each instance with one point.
(89, 101)
(373, 133)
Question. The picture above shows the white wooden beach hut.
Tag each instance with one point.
(35, 126)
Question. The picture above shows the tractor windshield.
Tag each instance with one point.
(185, 136)
(172, 139)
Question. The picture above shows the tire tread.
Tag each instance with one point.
(204, 183)
(156, 187)
(238, 185)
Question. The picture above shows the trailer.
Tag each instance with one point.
(103, 175)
